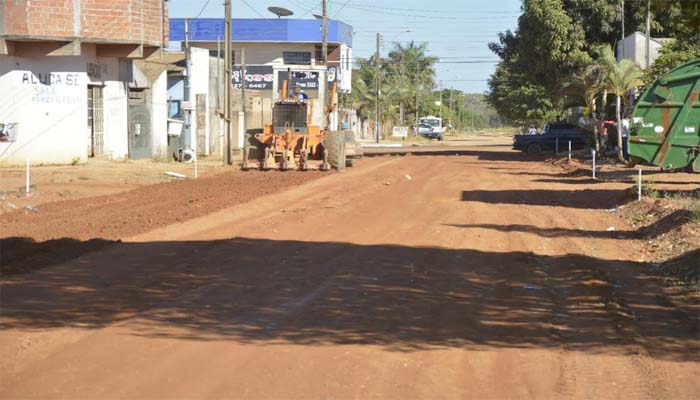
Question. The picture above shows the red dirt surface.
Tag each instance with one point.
(485, 275)
(65, 229)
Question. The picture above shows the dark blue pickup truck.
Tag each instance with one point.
(547, 141)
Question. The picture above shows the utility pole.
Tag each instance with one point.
(441, 100)
(471, 111)
(648, 59)
(218, 73)
(460, 105)
(227, 83)
(378, 91)
(452, 92)
(187, 95)
(416, 123)
(244, 72)
(324, 50)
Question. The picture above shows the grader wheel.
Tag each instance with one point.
(269, 161)
(304, 160)
(334, 148)
(325, 166)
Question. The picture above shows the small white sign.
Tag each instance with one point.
(399, 131)
(689, 129)
(638, 120)
(8, 132)
(188, 105)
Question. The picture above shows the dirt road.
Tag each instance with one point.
(478, 275)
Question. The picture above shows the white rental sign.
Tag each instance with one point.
(399, 131)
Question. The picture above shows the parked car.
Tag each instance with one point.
(437, 131)
(547, 141)
(425, 130)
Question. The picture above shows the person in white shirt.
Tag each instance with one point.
(625, 134)
(533, 130)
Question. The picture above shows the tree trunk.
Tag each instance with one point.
(594, 117)
(619, 131)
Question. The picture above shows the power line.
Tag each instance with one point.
(451, 12)
(253, 9)
(202, 10)
(341, 8)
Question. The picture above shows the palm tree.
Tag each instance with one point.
(583, 89)
(411, 69)
(406, 69)
(619, 78)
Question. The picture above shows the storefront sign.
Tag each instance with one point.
(258, 77)
(307, 80)
(53, 88)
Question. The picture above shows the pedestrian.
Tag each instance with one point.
(604, 142)
(533, 130)
(625, 134)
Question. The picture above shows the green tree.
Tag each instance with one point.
(601, 19)
(544, 51)
(672, 54)
(583, 89)
(406, 72)
(410, 71)
(619, 78)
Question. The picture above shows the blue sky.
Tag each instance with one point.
(457, 31)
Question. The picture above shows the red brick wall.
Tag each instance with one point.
(109, 20)
(15, 16)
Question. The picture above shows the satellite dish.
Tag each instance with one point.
(280, 11)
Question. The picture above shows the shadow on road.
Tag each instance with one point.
(319, 293)
(670, 222)
(587, 198)
(483, 155)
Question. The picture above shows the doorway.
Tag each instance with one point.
(95, 121)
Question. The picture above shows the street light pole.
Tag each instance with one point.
(227, 83)
(324, 50)
(378, 91)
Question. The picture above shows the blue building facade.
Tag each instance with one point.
(261, 30)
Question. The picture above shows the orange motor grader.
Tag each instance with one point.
(291, 142)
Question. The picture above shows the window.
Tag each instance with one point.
(297, 57)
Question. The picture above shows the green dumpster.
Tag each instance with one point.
(665, 126)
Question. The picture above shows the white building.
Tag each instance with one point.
(633, 47)
(274, 48)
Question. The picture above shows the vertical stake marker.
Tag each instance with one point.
(593, 151)
(569, 150)
(26, 190)
(639, 186)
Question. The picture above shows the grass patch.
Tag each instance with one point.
(648, 189)
(693, 205)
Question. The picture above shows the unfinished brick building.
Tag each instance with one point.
(123, 28)
(71, 87)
